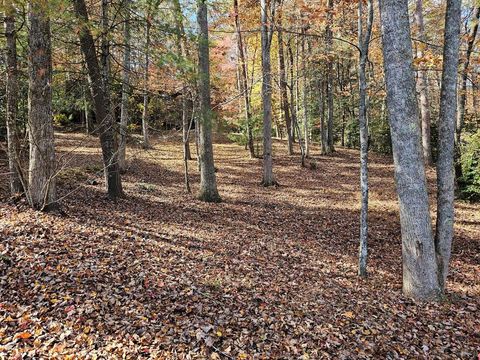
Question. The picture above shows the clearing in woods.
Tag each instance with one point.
(267, 273)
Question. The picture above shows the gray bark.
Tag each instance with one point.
(446, 140)
(323, 132)
(363, 44)
(86, 111)
(41, 181)
(243, 77)
(294, 104)
(462, 99)
(106, 122)
(208, 181)
(13, 144)
(329, 43)
(283, 85)
(292, 88)
(418, 252)
(306, 131)
(266, 37)
(124, 114)
(105, 52)
(422, 86)
(186, 104)
(145, 130)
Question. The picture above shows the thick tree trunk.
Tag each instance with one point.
(244, 80)
(422, 86)
(266, 35)
(13, 144)
(283, 85)
(419, 263)
(363, 44)
(125, 89)
(106, 122)
(208, 181)
(446, 140)
(145, 130)
(466, 63)
(41, 182)
(330, 89)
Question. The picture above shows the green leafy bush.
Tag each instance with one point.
(469, 183)
(62, 119)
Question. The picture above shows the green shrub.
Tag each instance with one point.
(237, 138)
(469, 183)
(62, 119)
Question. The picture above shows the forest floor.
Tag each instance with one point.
(269, 273)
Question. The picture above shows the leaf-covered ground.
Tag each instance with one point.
(269, 273)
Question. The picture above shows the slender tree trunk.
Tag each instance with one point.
(185, 158)
(208, 181)
(305, 98)
(422, 86)
(105, 52)
(86, 111)
(466, 63)
(41, 182)
(125, 89)
(363, 45)
(323, 132)
(419, 263)
(330, 89)
(182, 49)
(293, 102)
(446, 140)
(283, 85)
(266, 35)
(106, 122)
(13, 143)
(145, 130)
(244, 80)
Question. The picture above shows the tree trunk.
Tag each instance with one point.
(323, 133)
(283, 85)
(305, 98)
(244, 80)
(145, 130)
(363, 45)
(266, 35)
(329, 40)
(422, 86)
(125, 89)
(418, 252)
(106, 122)
(446, 140)
(293, 102)
(13, 143)
(105, 52)
(208, 182)
(86, 111)
(41, 182)
(466, 63)
(182, 49)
